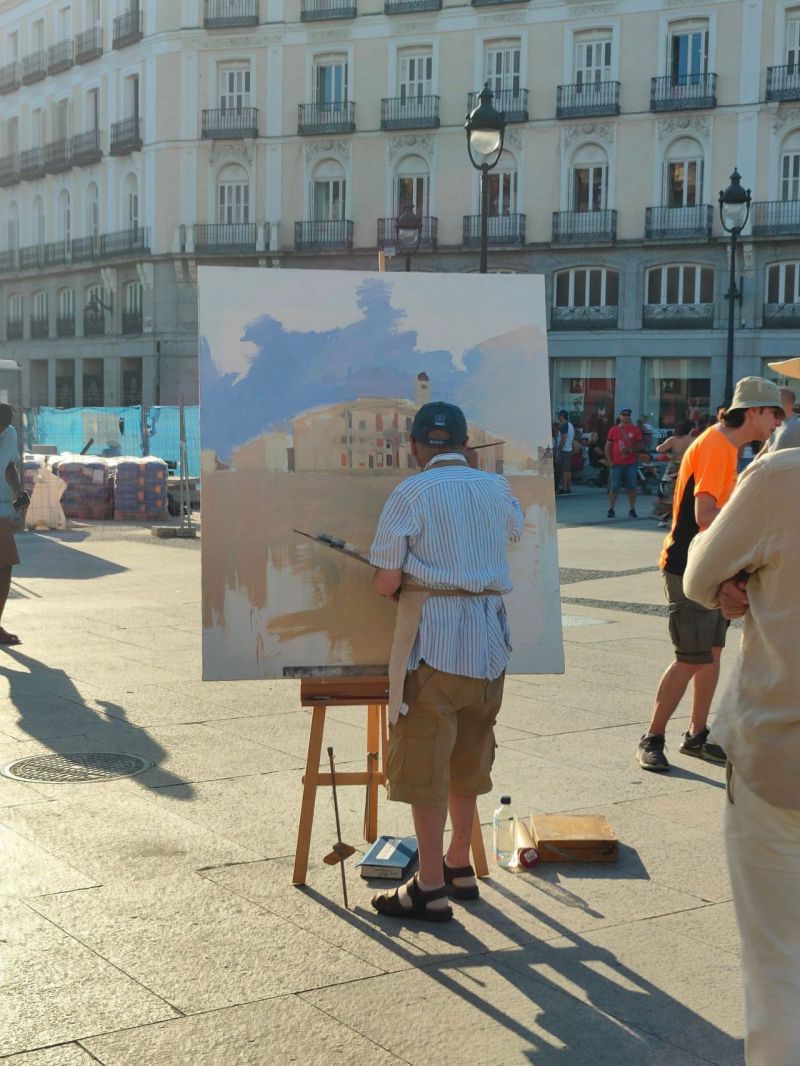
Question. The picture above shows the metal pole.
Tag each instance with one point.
(408, 264)
(484, 217)
(732, 294)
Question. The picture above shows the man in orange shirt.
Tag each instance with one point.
(706, 479)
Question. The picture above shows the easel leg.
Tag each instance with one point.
(373, 730)
(309, 796)
(478, 851)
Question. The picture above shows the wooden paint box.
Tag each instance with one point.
(574, 838)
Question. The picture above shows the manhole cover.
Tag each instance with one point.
(76, 766)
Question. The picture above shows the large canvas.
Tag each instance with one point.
(309, 383)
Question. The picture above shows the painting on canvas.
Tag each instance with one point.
(309, 381)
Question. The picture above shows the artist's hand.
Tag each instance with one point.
(732, 595)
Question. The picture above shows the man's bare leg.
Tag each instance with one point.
(462, 814)
(5, 588)
(704, 684)
(671, 689)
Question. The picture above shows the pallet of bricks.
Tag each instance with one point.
(89, 492)
(140, 488)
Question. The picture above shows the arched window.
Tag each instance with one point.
(586, 287)
(680, 284)
(328, 192)
(65, 320)
(411, 185)
(233, 195)
(683, 173)
(92, 212)
(64, 217)
(790, 167)
(783, 283)
(130, 202)
(40, 314)
(12, 228)
(38, 222)
(589, 179)
(503, 187)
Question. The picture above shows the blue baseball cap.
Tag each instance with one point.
(442, 417)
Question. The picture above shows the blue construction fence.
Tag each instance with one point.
(117, 431)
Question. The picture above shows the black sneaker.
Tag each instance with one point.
(651, 753)
(632, 513)
(611, 513)
(699, 747)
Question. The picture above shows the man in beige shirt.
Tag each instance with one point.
(747, 565)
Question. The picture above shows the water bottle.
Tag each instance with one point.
(505, 834)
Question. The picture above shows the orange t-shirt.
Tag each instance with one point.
(708, 465)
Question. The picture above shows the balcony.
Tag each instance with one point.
(227, 124)
(592, 318)
(491, 3)
(31, 257)
(316, 10)
(678, 223)
(783, 83)
(132, 322)
(334, 236)
(40, 329)
(584, 227)
(387, 233)
(776, 218)
(512, 102)
(58, 156)
(237, 238)
(327, 118)
(34, 67)
(683, 92)
(410, 113)
(85, 148)
(13, 331)
(410, 7)
(65, 326)
(127, 27)
(10, 78)
(94, 323)
(60, 57)
(678, 316)
(126, 136)
(9, 170)
(500, 229)
(587, 98)
(222, 14)
(85, 249)
(89, 45)
(781, 316)
(31, 164)
(57, 253)
(125, 242)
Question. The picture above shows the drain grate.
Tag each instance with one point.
(76, 766)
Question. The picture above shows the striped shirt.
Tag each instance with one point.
(448, 527)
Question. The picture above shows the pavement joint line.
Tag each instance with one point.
(339, 1021)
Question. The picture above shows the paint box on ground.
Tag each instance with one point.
(574, 838)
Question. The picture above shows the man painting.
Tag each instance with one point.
(623, 444)
(13, 501)
(440, 548)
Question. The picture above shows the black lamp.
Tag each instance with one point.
(486, 129)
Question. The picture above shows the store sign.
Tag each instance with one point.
(669, 386)
(576, 384)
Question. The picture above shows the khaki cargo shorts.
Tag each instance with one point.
(446, 741)
(694, 629)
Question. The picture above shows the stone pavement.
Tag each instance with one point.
(150, 920)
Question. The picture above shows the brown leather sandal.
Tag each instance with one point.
(388, 903)
(459, 891)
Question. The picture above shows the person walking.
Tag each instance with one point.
(13, 504)
(623, 444)
(705, 482)
(441, 550)
(566, 439)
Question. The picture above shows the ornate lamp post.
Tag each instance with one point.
(408, 232)
(486, 130)
(734, 210)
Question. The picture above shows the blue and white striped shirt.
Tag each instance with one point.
(448, 527)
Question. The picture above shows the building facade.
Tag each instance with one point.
(140, 140)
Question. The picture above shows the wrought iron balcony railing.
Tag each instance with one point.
(587, 98)
(89, 45)
(682, 92)
(58, 156)
(783, 83)
(94, 324)
(9, 170)
(590, 318)
(85, 148)
(584, 227)
(13, 331)
(31, 257)
(34, 67)
(40, 328)
(673, 223)
(60, 56)
(781, 316)
(57, 253)
(387, 232)
(132, 321)
(31, 164)
(235, 238)
(500, 229)
(410, 113)
(126, 136)
(512, 102)
(334, 236)
(491, 3)
(9, 261)
(65, 326)
(230, 123)
(10, 78)
(127, 27)
(85, 249)
(338, 117)
(125, 242)
(776, 218)
(221, 14)
(678, 316)
(408, 7)
(317, 10)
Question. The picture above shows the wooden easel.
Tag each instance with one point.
(373, 693)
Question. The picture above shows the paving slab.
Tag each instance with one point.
(60, 1055)
(30, 870)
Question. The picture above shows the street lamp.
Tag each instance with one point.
(486, 130)
(408, 232)
(734, 210)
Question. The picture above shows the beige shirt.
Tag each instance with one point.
(758, 531)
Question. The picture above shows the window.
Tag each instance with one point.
(37, 36)
(502, 67)
(64, 217)
(12, 48)
(680, 284)
(330, 82)
(790, 168)
(37, 128)
(589, 179)
(793, 40)
(411, 186)
(687, 53)
(234, 87)
(593, 57)
(133, 298)
(38, 222)
(12, 228)
(15, 307)
(415, 75)
(233, 195)
(328, 189)
(130, 202)
(93, 109)
(40, 306)
(63, 23)
(676, 389)
(503, 188)
(683, 174)
(66, 304)
(783, 283)
(62, 120)
(131, 90)
(586, 287)
(12, 136)
(92, 219)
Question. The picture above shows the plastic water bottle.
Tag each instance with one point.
(505, 834)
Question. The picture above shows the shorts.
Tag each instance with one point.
(565, 462)
(624, 477)
(446, 741)
(9, 556)
(694, 629)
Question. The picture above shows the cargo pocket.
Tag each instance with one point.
(412, 755)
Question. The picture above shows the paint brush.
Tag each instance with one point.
(338, 545)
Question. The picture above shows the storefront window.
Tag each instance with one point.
(585, 388)
(676, 389)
